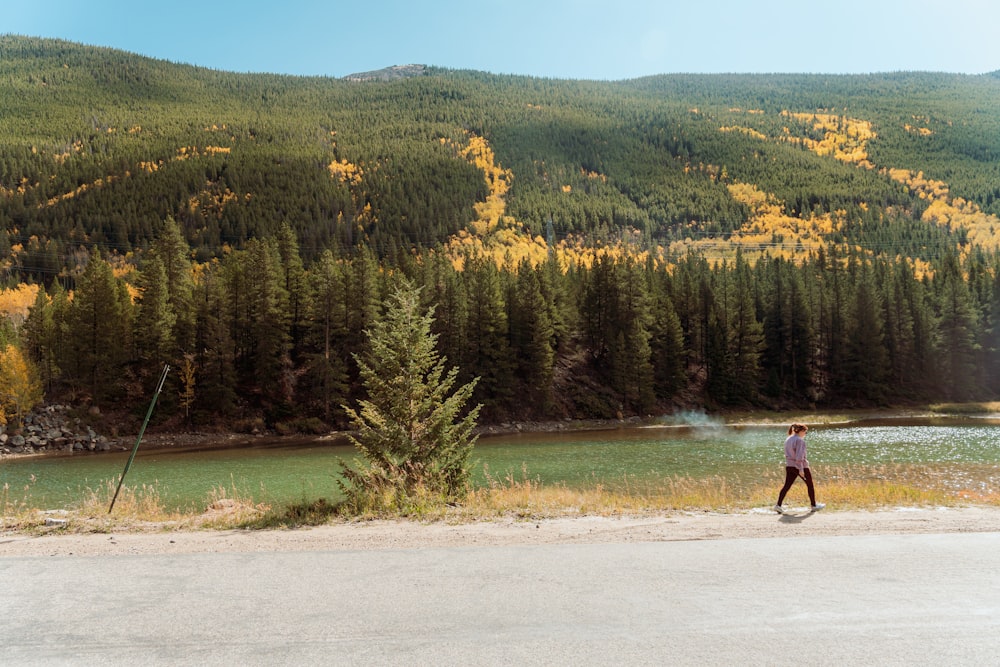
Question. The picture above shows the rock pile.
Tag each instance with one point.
(52, 429)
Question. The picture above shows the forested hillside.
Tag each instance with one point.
(590, 248)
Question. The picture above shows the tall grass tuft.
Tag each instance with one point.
(228, 509)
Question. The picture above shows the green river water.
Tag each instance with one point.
(955, 454)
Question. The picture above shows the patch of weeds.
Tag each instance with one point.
(314, 513)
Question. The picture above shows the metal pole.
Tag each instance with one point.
(149, 413)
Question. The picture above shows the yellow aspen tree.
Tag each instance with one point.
(20, 387)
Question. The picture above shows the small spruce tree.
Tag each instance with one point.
(412, 435)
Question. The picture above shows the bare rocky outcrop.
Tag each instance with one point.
(52, 428)
(393, 73)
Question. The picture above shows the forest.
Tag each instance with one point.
(587, 249)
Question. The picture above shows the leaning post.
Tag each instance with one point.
(149, 413)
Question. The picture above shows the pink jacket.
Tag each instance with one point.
(795, 452)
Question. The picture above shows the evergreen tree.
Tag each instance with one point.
(410, 430)
(258, 314)
(788, 334)
(215, 385)
(296, 286)
(155, 321)
(173, 253)
(746, 332)
(531, 338)
(957, 327)
(326, 374)
(41, 336)
(488, 355)
(667, 353)
(867, 361)
(100, 322)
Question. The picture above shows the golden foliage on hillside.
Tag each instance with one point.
(749, 131)
(492, 232)
(187, 152)
(98, 183)
(20, 387)
(768, 231)
(844, 138)
(345, 172)
(15, 302)
(213, 199)
(983, 229)
(508, 242)
(490, 212)
(148, 166)
(75, 147)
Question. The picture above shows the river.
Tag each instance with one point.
(956, 454)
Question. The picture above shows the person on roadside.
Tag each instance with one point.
(796, 465)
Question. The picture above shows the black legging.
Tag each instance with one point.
(791, 474)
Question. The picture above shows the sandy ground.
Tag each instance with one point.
(371, 535)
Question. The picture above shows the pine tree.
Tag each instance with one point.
(410, 430)
(788, 333)
(174, 254)
(41, 335)
(531, 336)
(100, 324)
(667, 352)
(488, 355)
(746, 333)
(296, 285)
(866, 363)
(155, 321)
(326, 374)
(215, 387)
(958, 326)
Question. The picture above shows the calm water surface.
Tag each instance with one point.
(957, 454)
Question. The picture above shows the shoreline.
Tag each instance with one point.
(211, 440)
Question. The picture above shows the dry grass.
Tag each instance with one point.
(989, 407)
(859, 490)
(136, 509)
(141, 508)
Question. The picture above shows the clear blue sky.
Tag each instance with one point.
(578, 39)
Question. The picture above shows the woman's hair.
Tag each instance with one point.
(796, 428)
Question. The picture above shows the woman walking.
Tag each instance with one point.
(796, 466)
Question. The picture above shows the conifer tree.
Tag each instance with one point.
(746, 333)
(410, 429)
(174, 254)
(957, 327)
(788, 333)
(531, 336)
(326, 374)
(215, 385)
(155, 321)
(296, 286)
(41, 335)
(100, 319)
(866, 364)
(667, 352)
(488, 352)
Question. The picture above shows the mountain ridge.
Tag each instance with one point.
(661, 156)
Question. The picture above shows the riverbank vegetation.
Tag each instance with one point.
(512, 497)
